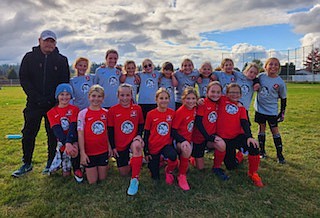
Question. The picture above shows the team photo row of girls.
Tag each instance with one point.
(173, 115)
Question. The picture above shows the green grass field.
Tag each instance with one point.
(292, 190)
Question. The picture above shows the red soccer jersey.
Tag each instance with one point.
(184, 121)
(63, 116)
(159, 124)
(94, 125)
(125, 122)
(230, 115)
(209, 113)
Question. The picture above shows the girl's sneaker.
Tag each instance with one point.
(78, 175)
(183, 183)
(133, 187)
(256, 179)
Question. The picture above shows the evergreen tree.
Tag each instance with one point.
(12, 74)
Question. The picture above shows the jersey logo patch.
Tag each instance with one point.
(276, 86)
(64, 123)
(163, 128)
(264, 91)
(169, 118)
(127, 127)
(98, 127)
(150, 83)
(212, 117)
(245, 89)
(85, 88)
(190, 126)
(231, 109)
(113, 81)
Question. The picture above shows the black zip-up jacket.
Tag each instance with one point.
(40, 74)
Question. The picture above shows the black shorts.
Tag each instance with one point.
(124, 157)
(262, 119)
(198, 150)
(98, 160)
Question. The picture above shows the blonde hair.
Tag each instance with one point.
(204, 64)
(233, 85)
(161, 90)
(189, 90)
(125, 85)
(96, 88)
(250, 65)
(78, 60)
(127, 63)
(187, 60)
(225, 60)
(272, 59)
(145, 60)
(213, 83)
(167, 66)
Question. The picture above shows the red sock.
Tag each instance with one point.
(136, 164)
(171, 165)
(183, 167)
(254, 161)
(218, 158)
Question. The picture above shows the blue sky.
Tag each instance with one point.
(200, 30)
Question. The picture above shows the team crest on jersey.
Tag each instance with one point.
(133, 113)
(231, 109)
(190, 126)
(212, 117)
(163, 128)
(193, 78)
(244, 89)
(204, 91)
(69, 113)
(170, 90)
(169, 118)
(113, 81)
(150, 83)
(233, 79)
(103, 117)
(127, 127)
(154, 75)
(87, 78)
(64, 121)
(264, 91)
(85, 88)
(276, 86)
(98, 127)
(118, 72)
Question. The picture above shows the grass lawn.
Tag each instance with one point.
(292, 190)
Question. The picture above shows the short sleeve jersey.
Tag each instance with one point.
(184, 81)
(63, 116)
(246, 90)
(225, 79)
(159, 124)
(209, 113)
(132, 81)
(94, 125)
(125, 122)
(149, 84)
(81, 86)
(167, 84)
(203, 86)
(108, 78)
(183, 122)
(271, 89)
(229, 119)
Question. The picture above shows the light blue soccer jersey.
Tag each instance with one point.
(203, 87)
(246, 89)
(225, 79)
(184, 81)
(131, 80)
(108, 78)
(167, 84)
(271, 89)
(149, 85)
(81, 86)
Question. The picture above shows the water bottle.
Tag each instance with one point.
(13, 136)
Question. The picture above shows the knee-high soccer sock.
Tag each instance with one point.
(171, 165)
(183, 167)
(254, 162)
(218, 158)
(278, 144)
(262, 142)
(136, 164)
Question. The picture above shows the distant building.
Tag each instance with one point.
(284, 69)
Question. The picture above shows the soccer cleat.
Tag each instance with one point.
(133, 187)
(256, 179)
(192, 161)
(281, 159)
(169, 178)
(78, 175)
(183, 183)
(239, 157)
(220, 173)
(25, 168)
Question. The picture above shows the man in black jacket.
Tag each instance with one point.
(41, 71)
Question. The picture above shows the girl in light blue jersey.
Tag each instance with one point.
(168, 81)
(205, 78)
(272, 88)
(108, 78)
(81, 83)
(129, 76)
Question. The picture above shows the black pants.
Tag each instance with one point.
(32, 121)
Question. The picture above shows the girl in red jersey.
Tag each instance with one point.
(182, 128)
(63, 121)
(204, 134)
(157, 137)
(93, 139)
(125, 126)
(234, 128)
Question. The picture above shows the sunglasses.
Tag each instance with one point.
(147, 65)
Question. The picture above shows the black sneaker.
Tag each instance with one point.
(22, 170)
(281, 159)
(220, 173)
